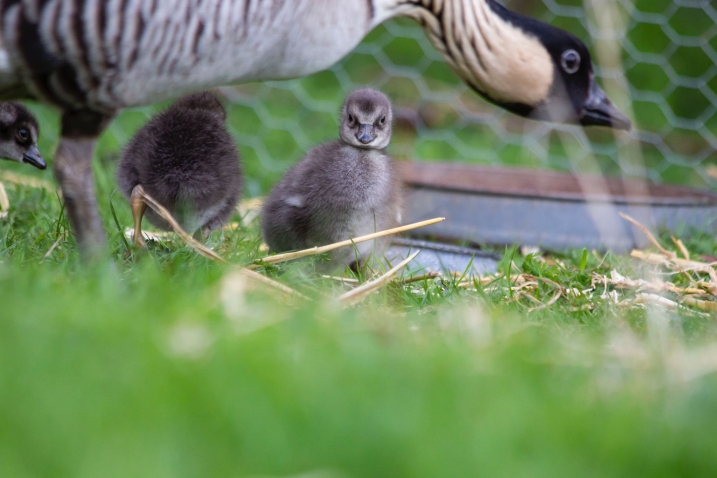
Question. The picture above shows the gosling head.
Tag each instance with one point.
(366, 120)
(19, 132)
(203, 100)
(525, 66)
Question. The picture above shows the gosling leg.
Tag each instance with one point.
(136, 202)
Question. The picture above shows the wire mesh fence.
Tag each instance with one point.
(656, 58)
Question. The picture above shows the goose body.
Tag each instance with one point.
(341, 189)
(134, 52)
(184, 158)
(94, 57)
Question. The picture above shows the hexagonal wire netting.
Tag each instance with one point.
(657, 59)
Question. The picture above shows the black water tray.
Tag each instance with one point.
(557, 211)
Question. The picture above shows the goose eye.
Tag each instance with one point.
(570, 61)
(23, 134)
(351, 118)
(383, 119)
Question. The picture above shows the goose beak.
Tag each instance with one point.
(365, 133)
(33, 156)
(598, 110)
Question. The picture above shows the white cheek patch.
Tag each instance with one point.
(382, 142)
(295, 201)
(9, 150)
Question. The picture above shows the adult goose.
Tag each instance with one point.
(92, 58)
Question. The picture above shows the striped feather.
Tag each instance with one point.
(104, 55)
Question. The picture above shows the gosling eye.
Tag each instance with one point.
(383, 119)
(351, 118)
(570, 61)
(23, 134)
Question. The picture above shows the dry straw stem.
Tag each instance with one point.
(54, 246)
(552, 300)
(345, 280)
(621, 282)
(669, 260)
(700, 304)
(208, 253)
(419, 278)
(644, 298)
(4, 200)
(349, 242)
(681, 246)
(288, 291)
(682, 265)
(159, 209)
(360, 293)
(149, 235)
(14, 178)
(483, 281)
(650, 237)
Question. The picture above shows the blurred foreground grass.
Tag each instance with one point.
(149, 377)
(164, 365)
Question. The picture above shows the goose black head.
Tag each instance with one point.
(366, 119)
(574, 95)
(19, 133)
(525, 66)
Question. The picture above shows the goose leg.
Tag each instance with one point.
(73, 170)
(136, 202)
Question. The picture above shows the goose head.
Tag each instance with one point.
(18, 135)
(366, 119)
(520, 64)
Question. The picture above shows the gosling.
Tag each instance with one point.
(186, 160)
(340, 190)
(19, 133)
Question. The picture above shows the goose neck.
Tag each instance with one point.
(486, 45)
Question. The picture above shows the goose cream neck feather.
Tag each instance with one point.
(498, 59)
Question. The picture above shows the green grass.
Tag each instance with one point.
(162, 365)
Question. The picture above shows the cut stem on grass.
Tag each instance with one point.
(159, 209)
(360, 293)
(330, 247)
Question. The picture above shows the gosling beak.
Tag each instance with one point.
(365, 133)
(34, 157)
(598, 110)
